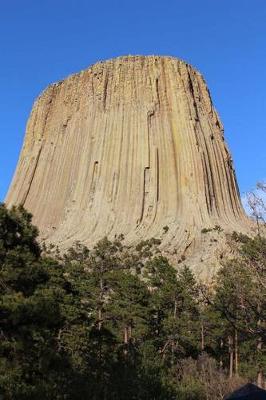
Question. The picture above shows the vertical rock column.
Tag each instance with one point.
(127, 146)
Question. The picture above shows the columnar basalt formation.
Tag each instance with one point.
(130, 146)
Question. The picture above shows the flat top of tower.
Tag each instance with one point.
(138, 57)
(130, 57)
(122, 61)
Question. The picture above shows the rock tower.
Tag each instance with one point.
(132, 145)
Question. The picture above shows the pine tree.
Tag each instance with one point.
(240, 302)
(29, 311)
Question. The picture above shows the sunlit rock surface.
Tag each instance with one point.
(132, 145)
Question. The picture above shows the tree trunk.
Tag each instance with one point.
(260, 378)
(221, 348)
(100, 301)
(258, 226)
(99, 319)
(231, 356)
(175, 309)
(236, 353)
(125, 340)
(125, 335)
(172, 352)
(130, 332)
(202, 337)
(259, 350)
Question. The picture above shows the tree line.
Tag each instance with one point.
(117, 322)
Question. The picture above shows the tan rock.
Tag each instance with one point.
(130, 145)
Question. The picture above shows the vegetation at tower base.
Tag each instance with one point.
(119, 323)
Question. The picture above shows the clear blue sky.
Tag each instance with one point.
(44, 41)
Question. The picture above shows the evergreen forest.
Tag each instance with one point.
(121, 323)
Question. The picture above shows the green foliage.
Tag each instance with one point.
(165, 228)
(206, 230)
(218, 228)
(115, 322)
(236, 313)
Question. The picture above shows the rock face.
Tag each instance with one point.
(130, 145)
